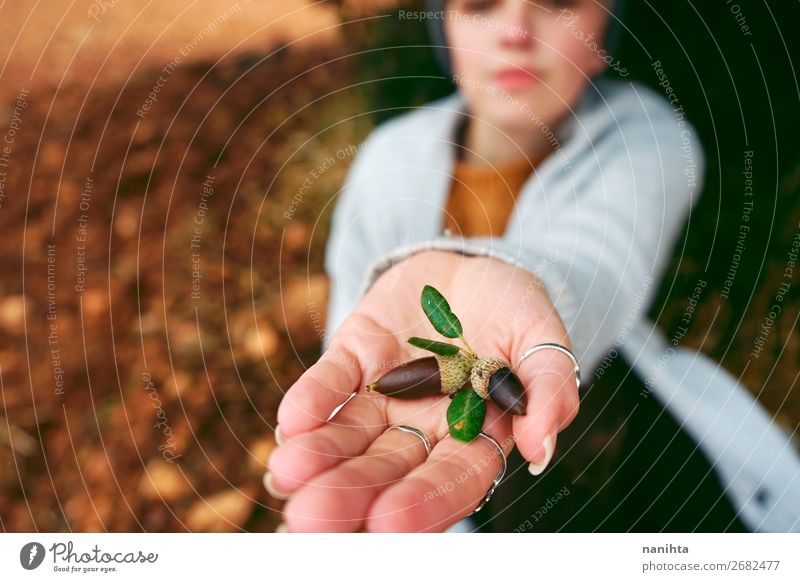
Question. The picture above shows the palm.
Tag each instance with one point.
(348, 474)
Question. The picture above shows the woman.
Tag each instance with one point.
(595, 181)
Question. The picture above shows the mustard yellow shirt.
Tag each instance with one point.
(482, 198)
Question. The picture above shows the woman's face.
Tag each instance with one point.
(521, 60)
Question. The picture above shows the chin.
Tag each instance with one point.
(511, 115)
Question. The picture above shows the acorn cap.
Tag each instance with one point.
(481, 373)
(454, 371)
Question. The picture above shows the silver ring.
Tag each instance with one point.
(500, 474)
(561, 349)
(414, 431)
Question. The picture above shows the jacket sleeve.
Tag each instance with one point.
(346, 251)
(606, 245)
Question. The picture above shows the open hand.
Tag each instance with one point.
(347, 474)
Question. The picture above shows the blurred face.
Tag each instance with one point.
(516, 58)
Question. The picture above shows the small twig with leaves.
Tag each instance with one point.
(456, 371)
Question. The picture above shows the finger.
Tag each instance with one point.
(304, 456)
(361, 347)
(447, 487)
(315, 395)
(338, 500)
(553, 402)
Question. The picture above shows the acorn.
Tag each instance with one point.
(425, 377)
(482, 371)
(507, 391)
(493, 378)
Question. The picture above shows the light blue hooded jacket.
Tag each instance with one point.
(596, 222)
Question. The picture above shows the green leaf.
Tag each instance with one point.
(438, 311)
(465, 415)
(439, 348)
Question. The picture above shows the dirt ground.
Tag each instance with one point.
(143, 349)
(95, 42)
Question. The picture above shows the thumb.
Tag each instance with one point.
(548, 376)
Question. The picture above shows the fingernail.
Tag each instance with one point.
(278, 436)
(282, 528)
(549, 445)
(271, 489)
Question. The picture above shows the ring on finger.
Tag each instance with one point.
(558, 347)
(500, 474)
(416, 432)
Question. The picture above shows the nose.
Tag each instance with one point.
(515, 27)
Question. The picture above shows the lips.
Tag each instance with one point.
(516, 78)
